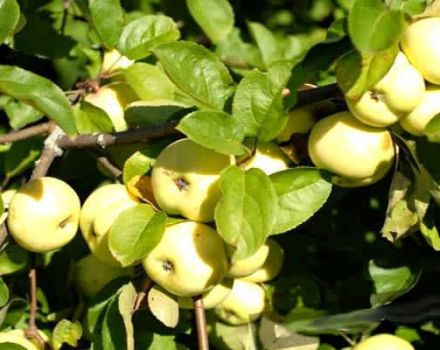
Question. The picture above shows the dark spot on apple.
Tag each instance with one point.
(63, 223)
(375, 95)
(181, 183)
(167, 266)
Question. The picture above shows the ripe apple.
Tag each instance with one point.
(247, 266)
(185, 179)
(43, 215)
(267, 157)
(272, 265)
(212, 297)
(416, 121)
(244, 304)
(420, 44)
(189, 259)
(90, 275)
(113, 98)
(17, 336)
(397, 93)
(114, 61)
(357, 153)
(384, 342)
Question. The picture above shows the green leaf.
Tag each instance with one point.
(163, 306)
(138, 164)
(197, 72)
(21, 114)
(390, 283)
(135, 232)
(4, 292)
(301, 193)
(40, 93)
(246, 212)
(140, 36)
(126, 301)
(66, 332)
(149, 113)
(90, 119)
(373, 27)
(113, 333)
(432, 130)
(215, 17)
(214, 130)
(12, 346)
(9, 16)
(108, 19)
(21, 156)
(429, 230)
(266, 43)
(13, 259)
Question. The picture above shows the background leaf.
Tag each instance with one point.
(266, 43)
(9, 16)
(4, 293)
(108, 19)
(90, 119)
(66, 332)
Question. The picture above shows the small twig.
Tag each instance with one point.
(26, 133)
(202, 332)
(109, 166)
(144, 287)
(3, 234)
(317, 94)
(47, 157)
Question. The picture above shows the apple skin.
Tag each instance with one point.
(420, 44)
(43, 214)
(416, 121)
(90, 275)
(113, 98)
(185, 179)
(114, 61)
(244, 304)
(17, 336)
(384, 342)
(397, 93)
(357, 153)
(268, 157)
(211, 298)
(247, 266)
(189, 260)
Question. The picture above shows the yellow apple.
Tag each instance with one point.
(113, 98)
(185, 179)
(416, 121)
(17, 336)
(189, 260)
(272, 265)
(397, 93)
(384, 342)
(114, 61)
(357, 153)
(267, 157)
(43, 215)
(212, 297)
(420, 42)
(247, 266)
(244, 304)
(90, 275)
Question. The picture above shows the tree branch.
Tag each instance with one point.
(109, 166)
(202, 332)
(318, 94)
(26, 133)
(140, 297)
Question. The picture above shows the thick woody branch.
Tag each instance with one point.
(26, 133)
(202, 332)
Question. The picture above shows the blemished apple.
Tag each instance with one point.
(396, 94)
(211, 298)
(113, 98)
(244, 304)
(189, 259)
(420, 44)
(247, 266)
(43, 214)
(272, 265)
(356, 153)
(17, 336)
(185, 179)
(114, 61)
(384, 342)
(416, 121)
(267, 157)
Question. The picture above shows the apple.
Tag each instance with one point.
(189, 260)
(272, 265)
(90, 275)
(420, 44)
(113, 98)
(185, 179)
(212, 297)
(244, 304)
(17, 336)
(357, 153)
(43, 214)
(416, 121)
(396, 94)
(267, 157)
(247, 266)
(384, 342)
(114, 61)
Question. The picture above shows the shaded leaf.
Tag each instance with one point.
(9, 16)
(4, 292)
(90, 119)
(21, 114)
(108, 19)
(66, 332)
(21, 156)
(13, 258)
(432, 130)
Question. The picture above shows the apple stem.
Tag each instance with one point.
(202, 332)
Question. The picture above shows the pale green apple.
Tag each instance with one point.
(114, 61)
(90, 275)
(396, 94)
(384, 342)
(420, 42)
(244, 304)
(272, 265)
(113, 98)
(267, 157)
(43, 214)
(247, 266)
(185, 179)
(212, 297)
(358, 153)
(17, 336)
(416, 121)
(189, 260)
